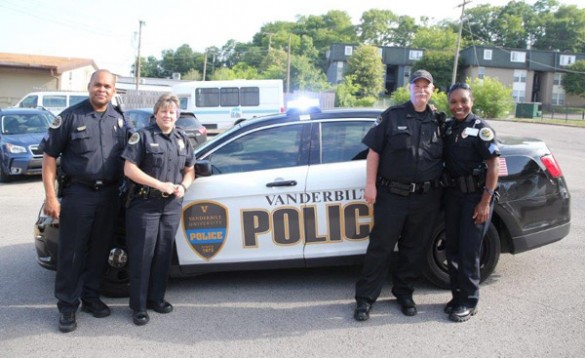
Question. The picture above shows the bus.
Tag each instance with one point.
(220, 104)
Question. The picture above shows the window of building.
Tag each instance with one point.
(567, 60)
(519, 95)
(558, 99)
(415, 55)
(407, 71)
(339, 74)
(558, 79)
(481, 72)
(518, 56)
(487, 54)
(348, 50)
(519, 76)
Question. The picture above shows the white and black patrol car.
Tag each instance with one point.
(287, 191)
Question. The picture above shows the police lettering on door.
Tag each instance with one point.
(325, 217)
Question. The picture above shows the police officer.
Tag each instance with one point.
(160, 164)
(404, 165)
(90, 138)
(471, 164)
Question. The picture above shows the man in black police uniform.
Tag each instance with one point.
(89, 137)
(404, 165)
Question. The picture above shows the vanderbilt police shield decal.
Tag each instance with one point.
(205, 225)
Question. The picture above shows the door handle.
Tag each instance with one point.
(282, 183)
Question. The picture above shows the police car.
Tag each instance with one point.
(287, 191)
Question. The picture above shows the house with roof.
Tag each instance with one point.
(23, 73)
(533, 75)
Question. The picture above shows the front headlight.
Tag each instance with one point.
(15, 149)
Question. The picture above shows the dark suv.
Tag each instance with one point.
(141, 117)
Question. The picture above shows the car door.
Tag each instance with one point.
(249, 209)
(338, 220)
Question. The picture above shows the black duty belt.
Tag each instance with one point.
(146, 192)
(93, 184)
(405, 189)
(466, 183)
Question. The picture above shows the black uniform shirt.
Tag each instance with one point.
(409, 144)
(159, 155)
(468, 144)
(90, 143)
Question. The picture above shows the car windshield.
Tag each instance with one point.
(25, 123)
(187, 122)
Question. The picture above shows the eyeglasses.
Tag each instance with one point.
(458, 85)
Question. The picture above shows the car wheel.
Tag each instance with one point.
(436, 258)
(116, 278)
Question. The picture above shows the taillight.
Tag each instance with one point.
(552, 166)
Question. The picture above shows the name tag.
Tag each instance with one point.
(402, 128)
(82, 128)
(154, 144)
(471, 131)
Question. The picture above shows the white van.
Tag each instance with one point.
(54, 101)
(219, 104)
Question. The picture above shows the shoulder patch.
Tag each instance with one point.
(56, 123)
(486, 134)
(134, 138)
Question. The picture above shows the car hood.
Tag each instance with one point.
(23, 139)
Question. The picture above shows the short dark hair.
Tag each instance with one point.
(458, 85)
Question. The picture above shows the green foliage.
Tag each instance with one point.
(345, 93)
(401, 95)
(192, 75)
(574, 80)
(440, 65)
(441, 38)
(368, 70)
(492, 99)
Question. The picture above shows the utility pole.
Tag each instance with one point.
(140, 23)
(205, 64)
(455, 63)
(288, 66)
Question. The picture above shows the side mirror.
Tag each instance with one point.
(203, 168)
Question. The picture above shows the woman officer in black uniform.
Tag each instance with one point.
(471, 164)
(160, 164)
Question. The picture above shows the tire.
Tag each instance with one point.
(116, 278)
(436, 260)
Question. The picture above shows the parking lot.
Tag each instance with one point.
(532, 306)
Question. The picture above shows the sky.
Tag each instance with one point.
(107, 30)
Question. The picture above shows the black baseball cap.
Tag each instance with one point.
(418, 74)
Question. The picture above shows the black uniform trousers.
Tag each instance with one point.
(408, 221)
(151, 225)
(86, 231)
(463, 244)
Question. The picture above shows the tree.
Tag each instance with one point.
(368, 70)
(492, 99)
(565, 31)
(435, 38)
(440, 65)
(376, 26)
(574, 80)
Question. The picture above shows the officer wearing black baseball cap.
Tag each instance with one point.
(404, 165)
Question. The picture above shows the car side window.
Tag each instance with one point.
(342, 141)
(269, 148)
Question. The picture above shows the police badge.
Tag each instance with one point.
(56, 123)
(120, 123)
